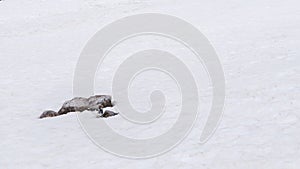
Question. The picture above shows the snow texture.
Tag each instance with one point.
(257, 42)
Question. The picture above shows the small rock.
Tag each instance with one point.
(48, 113)
(108, 113)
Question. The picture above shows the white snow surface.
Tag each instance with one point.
(257, 43)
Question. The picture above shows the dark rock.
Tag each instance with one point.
(48, 113)
(108, 113)
(79, 104)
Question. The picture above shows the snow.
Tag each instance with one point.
(258, 45)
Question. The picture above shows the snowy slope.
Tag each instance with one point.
(257, 42)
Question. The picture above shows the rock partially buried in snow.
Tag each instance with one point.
(48, 113)
(79, 104)
(108, 113)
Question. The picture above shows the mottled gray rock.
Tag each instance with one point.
(48, 113)
(79, 104)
